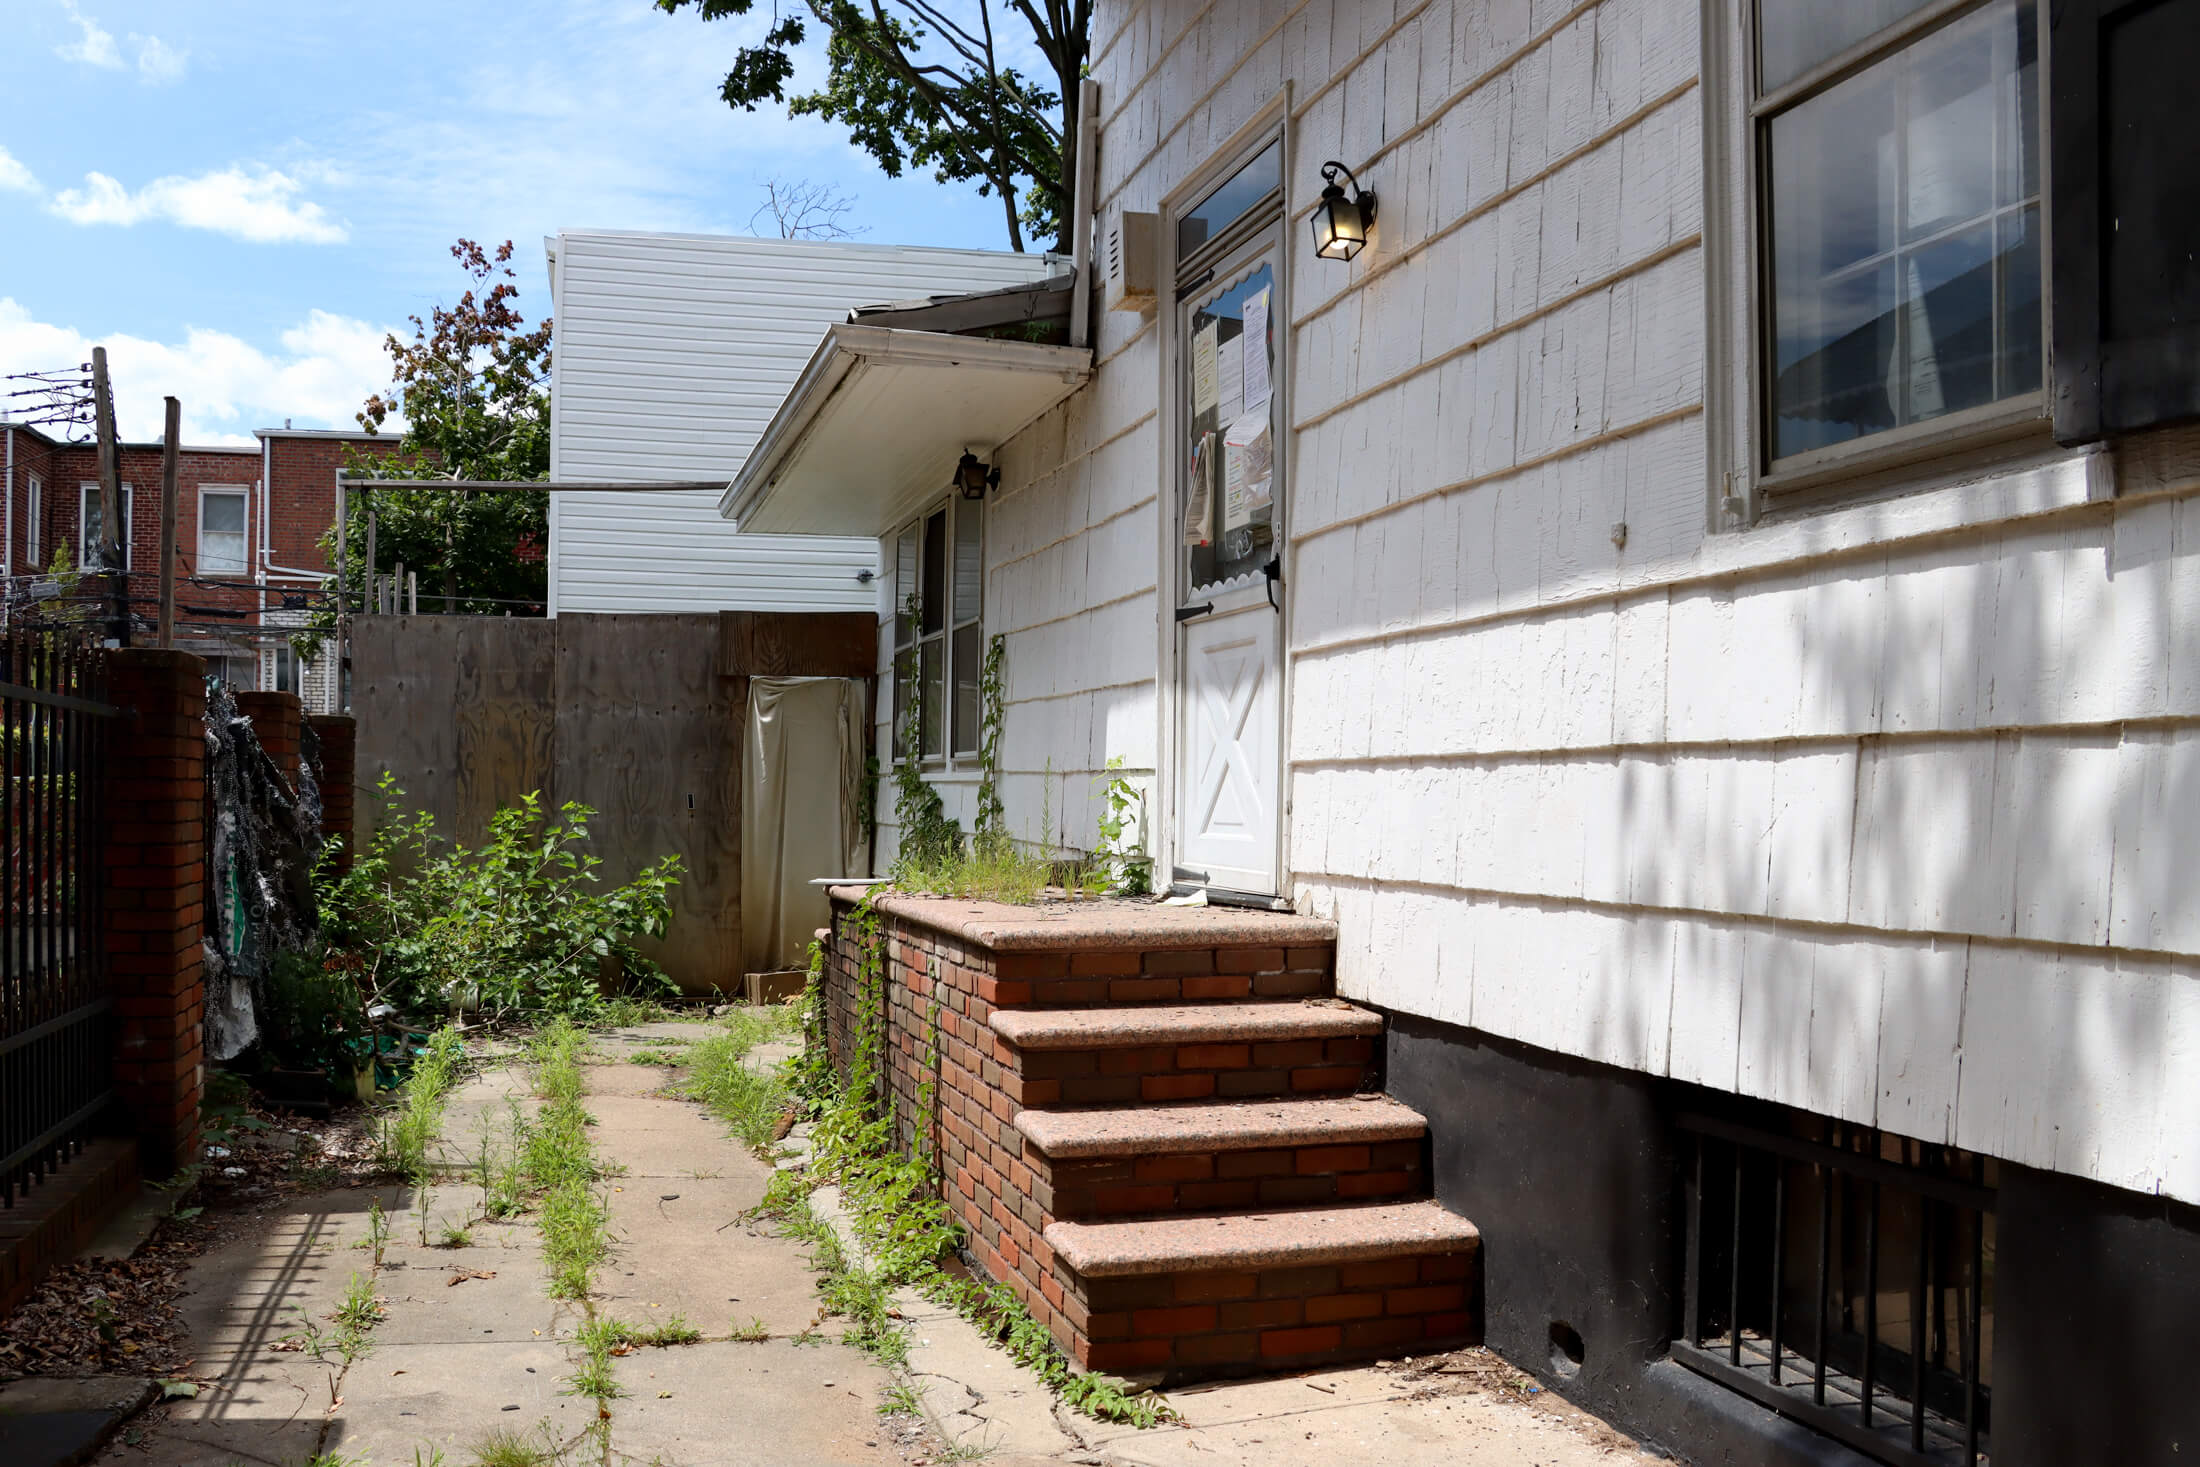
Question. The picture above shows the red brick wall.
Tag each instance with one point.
(33, 455)
(154, 785)
(338, 734)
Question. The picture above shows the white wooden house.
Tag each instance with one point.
(673, 351)
(1716, 622)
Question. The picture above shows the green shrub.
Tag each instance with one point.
(519, 924)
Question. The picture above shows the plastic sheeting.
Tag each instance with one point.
(801, 812)
(264, 839)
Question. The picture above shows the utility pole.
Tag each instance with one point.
(171, 431)
(110, 505)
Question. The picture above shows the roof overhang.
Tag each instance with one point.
(878, 419)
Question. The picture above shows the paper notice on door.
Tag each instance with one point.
(1248, 470)
(1204, 367)
(1255, 351)
(1199, 493)
(1231, 384)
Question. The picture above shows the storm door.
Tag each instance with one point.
(1228, 530)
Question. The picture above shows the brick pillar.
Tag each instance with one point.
(154, 785)
(338, 733)
(276, 718)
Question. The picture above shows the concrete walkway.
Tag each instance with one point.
(470, 1344)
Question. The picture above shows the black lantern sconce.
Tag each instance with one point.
(974, 478)
(1341, 224)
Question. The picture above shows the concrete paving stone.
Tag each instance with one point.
(483, 1106)
(648, 1210)
(158, 1446)
(663, 1031)
(979, 1397)
(423, 1306)
(629, 1079)
(60, 1422)
(742, 1405)
(266, 1409)
(245, 1296)
(715, 1285)
(450, 1397)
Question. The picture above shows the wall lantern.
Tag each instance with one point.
(1341, 224)
(974, 478)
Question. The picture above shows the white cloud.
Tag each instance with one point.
(258, 206)
(326, 367)
(15, 177)
(157, 61)
(94, 45)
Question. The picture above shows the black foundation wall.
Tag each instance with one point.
(1568, 1170)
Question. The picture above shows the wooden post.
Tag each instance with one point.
(343, 572)
(110, 505)
(171, 432)
(373, 601)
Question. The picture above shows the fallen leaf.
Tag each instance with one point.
(175, 1390)
(664, 1395)
(461, 1275)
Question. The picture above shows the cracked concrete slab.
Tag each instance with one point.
(403, 1398)
(750, 1405)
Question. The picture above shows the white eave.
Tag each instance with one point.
(877, 421)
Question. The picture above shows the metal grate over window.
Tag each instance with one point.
(1844, 1277)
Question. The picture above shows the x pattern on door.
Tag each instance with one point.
(1228, 792)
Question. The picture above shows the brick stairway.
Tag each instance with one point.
(1160, 1128)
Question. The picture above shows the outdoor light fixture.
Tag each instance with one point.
(974, 478)
(1341, 224)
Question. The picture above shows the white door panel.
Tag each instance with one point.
(1230, 751)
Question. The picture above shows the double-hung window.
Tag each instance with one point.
(221, 532)
(1890, 174)
(939, 641)
(94, 521)
(34, 505)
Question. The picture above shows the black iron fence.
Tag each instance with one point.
(56, 1024)
(1844, 1277)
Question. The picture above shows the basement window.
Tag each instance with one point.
(1844, 1277)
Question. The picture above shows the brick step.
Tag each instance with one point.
(1203, 1158)
(1222, 973)
(1272, 1290)
(1118, 1056)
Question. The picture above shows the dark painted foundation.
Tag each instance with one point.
(1569, 1170)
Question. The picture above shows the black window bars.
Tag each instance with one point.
(1844, 1277)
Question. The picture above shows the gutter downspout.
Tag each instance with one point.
(1088, 138)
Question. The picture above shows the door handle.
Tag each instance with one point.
(1193, 613)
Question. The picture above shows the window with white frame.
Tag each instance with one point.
(221, 532)
(33, 512)
(939, 642)
(282, 669)
(1892, 171)
(93, 519)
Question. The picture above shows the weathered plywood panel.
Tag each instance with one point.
(649, 736)
(797, 644)
(404, 686)
(505, 733)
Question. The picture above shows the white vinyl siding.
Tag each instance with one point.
(673, 353)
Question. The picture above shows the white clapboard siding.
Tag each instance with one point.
(673, 352)
(1886, 812)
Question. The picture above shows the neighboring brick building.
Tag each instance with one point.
(249, 523)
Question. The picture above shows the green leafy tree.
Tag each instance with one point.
(469, 400)
(922, 83)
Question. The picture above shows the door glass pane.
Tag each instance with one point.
(1795, 35)
(969, 560)
(934, 686)
(969, 660)
(1904, 239)
(1229, 459)
(1229, 202)
(934, 614)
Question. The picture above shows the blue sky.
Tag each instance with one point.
(240, 197)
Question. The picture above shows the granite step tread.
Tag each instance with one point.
(1124, 1028)
(1249, 1125)
(1245, 1241)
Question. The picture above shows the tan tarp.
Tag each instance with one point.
(801, 812)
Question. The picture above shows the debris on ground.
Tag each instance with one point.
(1480, 1370)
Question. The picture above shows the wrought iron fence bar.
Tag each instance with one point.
(53, 1025)
(1864, 1167)
(1779, 1254)
(1871, 1306)
(1917, 1323)
(53, 1136)
(1971, 1362)
(1830, 1180)
(1734, 1277)
(1835, 1421)
(1693, 1283)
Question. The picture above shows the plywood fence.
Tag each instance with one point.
(640, 717)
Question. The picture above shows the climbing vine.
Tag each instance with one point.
(992, 818)
(928, 836)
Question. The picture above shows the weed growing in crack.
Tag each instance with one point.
(755, 1332)
(510, 1449)
(902, 1400)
